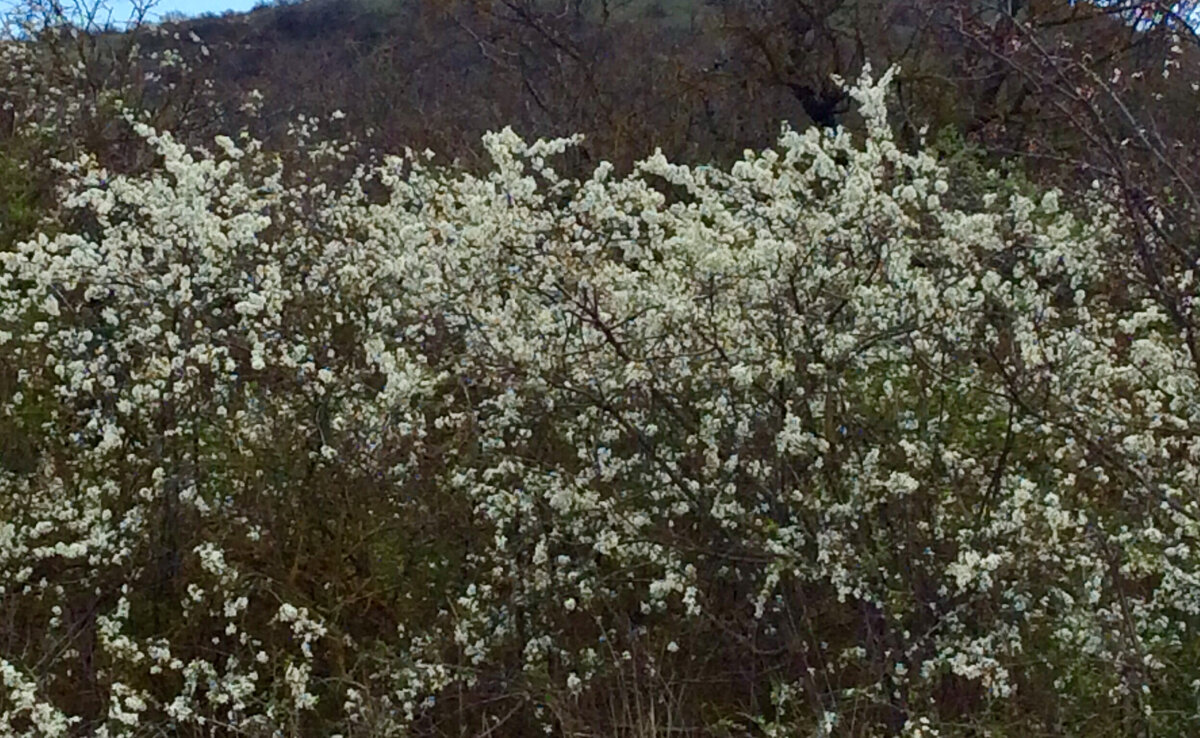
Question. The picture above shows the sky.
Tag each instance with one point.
(121, 8)
(120, 11)
(1143, 13)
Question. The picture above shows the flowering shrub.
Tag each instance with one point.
(792, 446)
(66, 86)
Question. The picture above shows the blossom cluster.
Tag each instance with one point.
(286, 455)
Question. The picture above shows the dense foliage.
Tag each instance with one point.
(857, 434)
(791, 445)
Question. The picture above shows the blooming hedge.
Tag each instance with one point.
(794, 447)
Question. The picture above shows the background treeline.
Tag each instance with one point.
(1030, 82)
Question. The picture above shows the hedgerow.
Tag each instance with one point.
(790, 447)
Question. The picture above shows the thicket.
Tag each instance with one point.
(888, 428)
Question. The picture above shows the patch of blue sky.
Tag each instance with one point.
(122, 9)
(192, 8)
(120, 12)
(1147, 14)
